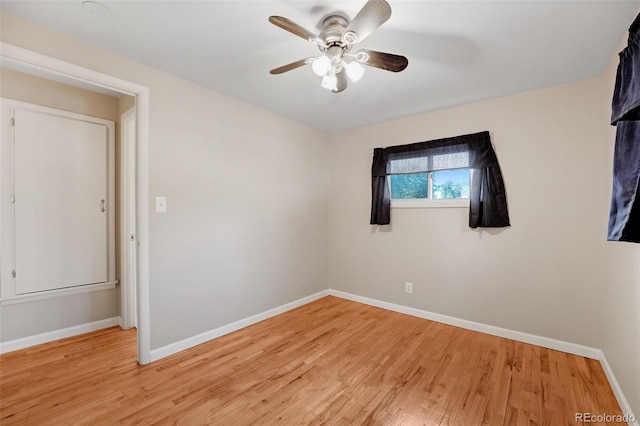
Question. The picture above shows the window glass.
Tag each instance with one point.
(434, 177)
(448, 184)
(414, 185)
(437, 185)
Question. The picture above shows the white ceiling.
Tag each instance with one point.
(458, 52)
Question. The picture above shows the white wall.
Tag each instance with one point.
(543, 275)
(621, 302)
(621, 325)
(246, 224)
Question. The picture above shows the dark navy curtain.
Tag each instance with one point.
(624, 217)
(487, 198)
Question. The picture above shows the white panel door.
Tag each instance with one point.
(61, 188)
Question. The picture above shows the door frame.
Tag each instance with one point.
(127, 221)
(47, 65)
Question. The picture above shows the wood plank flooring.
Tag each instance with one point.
(329, 362)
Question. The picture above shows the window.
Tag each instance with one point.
(448, 179)
(437, 168)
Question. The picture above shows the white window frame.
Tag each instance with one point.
(425, 203)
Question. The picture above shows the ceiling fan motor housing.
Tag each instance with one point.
(333, 28)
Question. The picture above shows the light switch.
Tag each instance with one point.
(161, 204)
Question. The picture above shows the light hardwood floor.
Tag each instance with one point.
(329, 362)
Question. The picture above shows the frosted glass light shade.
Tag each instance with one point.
(355, 71)
(321, 66)
(329, 82)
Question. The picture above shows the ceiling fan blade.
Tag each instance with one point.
(291, 66)
(342, 81)
(385, 61)
(296, 29)
(371, 16)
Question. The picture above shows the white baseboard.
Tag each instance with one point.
(617, 391)
(544, 342)
(519, 336)
(25, 342)
(190, 342)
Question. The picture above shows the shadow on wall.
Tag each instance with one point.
(381, 228)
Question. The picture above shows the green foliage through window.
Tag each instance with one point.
(410, 186)
(445, 184)
(449, 184)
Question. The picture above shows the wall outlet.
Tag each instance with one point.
(408, 288)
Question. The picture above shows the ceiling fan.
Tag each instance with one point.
(336, 63)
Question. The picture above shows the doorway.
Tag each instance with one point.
(137, 215)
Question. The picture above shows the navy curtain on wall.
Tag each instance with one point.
(488, 201)
(624, 217)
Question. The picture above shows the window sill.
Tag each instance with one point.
(422, 203)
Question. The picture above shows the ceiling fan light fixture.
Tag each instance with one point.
(355, 70)
(329, 82)
(336, 65)
(321, 66)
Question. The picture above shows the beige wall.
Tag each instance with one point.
(621, 301)
(543, 275)
(28, 88)
(246, 224)
(28, 319)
